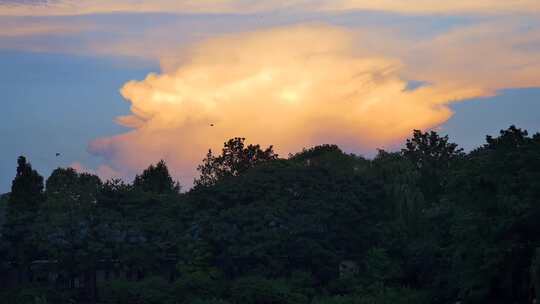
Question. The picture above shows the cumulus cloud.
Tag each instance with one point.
(290, 87)
(313, 84)
(70, 7)
(294, 86)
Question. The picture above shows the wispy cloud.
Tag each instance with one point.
(435, 6)
(25, 28)
(494, 56)
(76, 7)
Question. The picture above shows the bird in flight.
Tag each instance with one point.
(57, 154)
(211, 125)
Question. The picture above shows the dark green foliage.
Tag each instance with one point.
(208, 301)
(21, 211)
(286, 216)
(259, 290)
(200, 285)
(235, 158)
(69, 229)
(4, 247)
(495, 225)
(378, 296)
(156, 179)
(153, 290)
(427, 224)
(35, 295)
(430, 150)
(4, 200)
(27, 187)
(432, 156)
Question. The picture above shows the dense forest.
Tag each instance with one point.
(427, 224)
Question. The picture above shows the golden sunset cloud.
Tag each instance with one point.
(289, 87)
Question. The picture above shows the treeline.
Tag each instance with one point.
(427, 224)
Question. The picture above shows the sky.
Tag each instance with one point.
(114, 86)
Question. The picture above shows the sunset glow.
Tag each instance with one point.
(273, 87)
(269, 151)
(297, 79)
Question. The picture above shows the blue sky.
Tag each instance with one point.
(474, 119)
(66, 78)
(57, 103)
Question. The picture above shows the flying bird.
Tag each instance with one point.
(57, 154)
(211, 125)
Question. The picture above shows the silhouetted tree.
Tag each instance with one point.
(510, 138)
(427, 224)
(432, 155)
(496, 191)
(235, 159)
(156, 179)
(27, 187)
(70, 227)
(23, 205)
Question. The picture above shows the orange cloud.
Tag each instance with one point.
(290, 87)
(435, 6)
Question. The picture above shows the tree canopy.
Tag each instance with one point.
(27, 186)
(235, 159)
(426, 224)
(156, 179)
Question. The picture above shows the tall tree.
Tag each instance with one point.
(235, 159)
(27, 187)
(23, 205)
(156, 179)
(432, 155)
(71, 230)
(495, 229)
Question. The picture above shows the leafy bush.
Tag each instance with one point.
(338, 300)
(153, 290)
(198, 285)
(35, 295)
(259, 290)
(382, 296)
(119, 292)
(208, 301)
